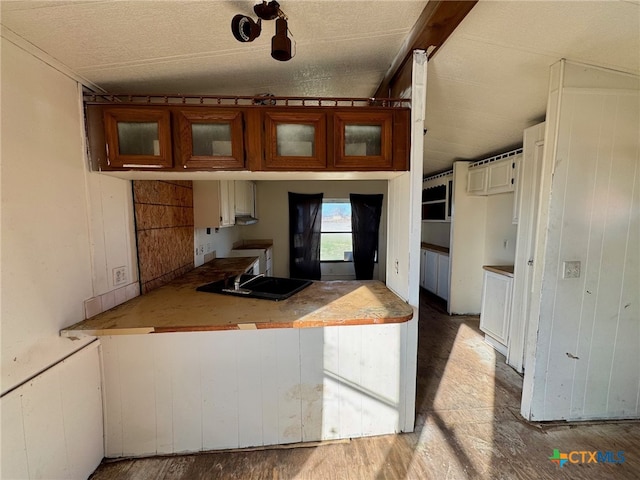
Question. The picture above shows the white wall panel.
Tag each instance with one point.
(81, 397)
(44, 428)
(52, 425)
(111, 386)
(312, 391)
(331, 426)
(467, 258)
(219, 389)
(163, 368)
(379, 378)
(269, 369)
(137, 394)
(14, 463)
(53, 242)
(586, 358)
(249, 387)
(288, 381)
(187, 392)
(349, 374)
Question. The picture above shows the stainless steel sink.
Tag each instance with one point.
(257, 286)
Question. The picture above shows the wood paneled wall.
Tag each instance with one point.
(164, 230)
(52, 424)
(587, 341)
(195, 391)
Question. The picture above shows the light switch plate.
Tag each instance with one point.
(571, 269)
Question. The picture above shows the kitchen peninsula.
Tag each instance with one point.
(226, 372)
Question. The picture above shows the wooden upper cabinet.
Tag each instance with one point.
(210, 139)
(181, 137)
(295, 140)
(138, 137)
(363, 140)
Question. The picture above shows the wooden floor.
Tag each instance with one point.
(468, 425)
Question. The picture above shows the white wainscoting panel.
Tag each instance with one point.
(52, 425)
(188, 392)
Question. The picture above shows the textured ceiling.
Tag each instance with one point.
(343, 48)
(485, 85)
(489, 81)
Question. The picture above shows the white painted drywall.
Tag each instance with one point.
(220, 241)
(273, 215)
(63, 229)
(436, 233)
(586, 356)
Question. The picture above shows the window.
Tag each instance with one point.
(335, 236)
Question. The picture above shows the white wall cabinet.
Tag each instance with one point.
(245, 198)
(214, 203)
(477, 181)
(496, 309)
(434, 272)
(491, 177)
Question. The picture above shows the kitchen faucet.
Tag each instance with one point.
(236, 282)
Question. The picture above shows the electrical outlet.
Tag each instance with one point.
(119, 276)
(571, 269)
(201, 250)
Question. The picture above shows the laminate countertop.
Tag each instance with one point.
(178, 307)
(500, 269)
(253, 245)
(435, 248)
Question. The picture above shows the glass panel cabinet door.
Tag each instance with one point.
(363, 140)
(211, 139)
(295, 141)
(138, 137)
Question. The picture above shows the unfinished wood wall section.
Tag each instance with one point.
(164, 230)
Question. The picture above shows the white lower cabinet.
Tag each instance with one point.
(496, 309)
(434, 272)
(442, 288)
(431, 278)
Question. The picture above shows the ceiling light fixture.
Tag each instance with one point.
(245, 29)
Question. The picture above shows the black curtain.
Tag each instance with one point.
(305, 220)
(365, 225)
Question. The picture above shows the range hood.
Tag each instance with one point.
(245, 220)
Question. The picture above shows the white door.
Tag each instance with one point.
(527, 191)
(494, 316)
